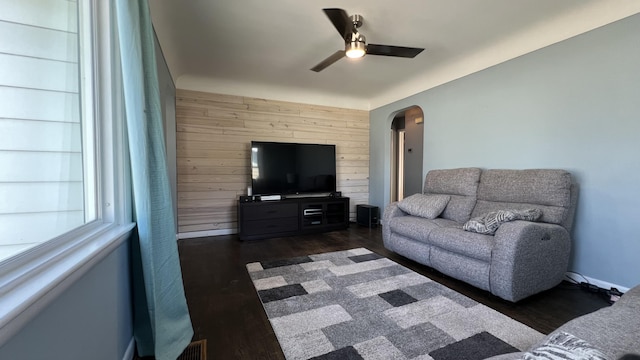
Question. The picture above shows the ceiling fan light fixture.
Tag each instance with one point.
(355, 49)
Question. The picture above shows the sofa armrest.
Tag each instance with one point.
(527, 258)
(391, 211)
(608, 328)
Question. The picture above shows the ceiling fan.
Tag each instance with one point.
(355, 44)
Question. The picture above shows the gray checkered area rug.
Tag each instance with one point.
(356, 304)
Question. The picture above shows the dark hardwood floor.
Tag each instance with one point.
(226, 311)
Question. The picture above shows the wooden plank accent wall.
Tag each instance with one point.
(214, 133)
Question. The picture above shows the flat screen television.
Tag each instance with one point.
(292, 169)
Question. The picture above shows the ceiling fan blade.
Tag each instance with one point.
(340, 20)
(328, 61)
(388, 50)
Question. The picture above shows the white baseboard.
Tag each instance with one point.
(128, 355)
(599, 283)
(197, 234)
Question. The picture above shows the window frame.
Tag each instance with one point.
(30, 280)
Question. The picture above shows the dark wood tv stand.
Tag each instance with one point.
(294, 216)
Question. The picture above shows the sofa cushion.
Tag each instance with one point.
(456, 240)
(460, 184)
(426, 206)
(490, 222)
(546, 189)
(459, 208)
(441, 222)
(562, 345)
(414, 227)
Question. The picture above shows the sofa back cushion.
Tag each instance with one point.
(460, 184)
(549, 190)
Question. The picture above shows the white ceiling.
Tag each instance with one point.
(265, 49)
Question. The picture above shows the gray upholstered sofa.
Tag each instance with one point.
(522, 257)
(612, 331)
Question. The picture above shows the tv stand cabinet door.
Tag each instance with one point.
(260, 220)
(326, 214)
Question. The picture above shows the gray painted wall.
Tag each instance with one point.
(573, 105)
(90, 320)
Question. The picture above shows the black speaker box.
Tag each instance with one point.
(367, 215)
(246, 198)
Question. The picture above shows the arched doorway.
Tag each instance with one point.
(407, 137)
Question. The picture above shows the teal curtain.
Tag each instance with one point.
(162, 326)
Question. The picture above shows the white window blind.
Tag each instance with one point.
(47, 146)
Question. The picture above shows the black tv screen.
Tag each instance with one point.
(288, 168)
